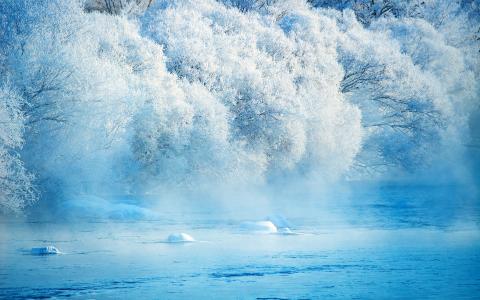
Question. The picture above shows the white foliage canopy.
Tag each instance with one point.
(200, 92)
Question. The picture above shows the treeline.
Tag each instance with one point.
(203, 93)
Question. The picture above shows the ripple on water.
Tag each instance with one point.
(256, 271)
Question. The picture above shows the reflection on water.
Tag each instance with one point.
(397, 243)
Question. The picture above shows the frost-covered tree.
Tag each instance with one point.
(117, 6)
(369, 10)
(16, 184)
(77, 80)
(401, 82)
(206, 92)
(279, 84)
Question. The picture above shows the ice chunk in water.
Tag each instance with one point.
(48, 250)
(180, 238)
(260, 226)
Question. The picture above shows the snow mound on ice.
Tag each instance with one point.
(48, 250)
(260, 226)
(180, 238)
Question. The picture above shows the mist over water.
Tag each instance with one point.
(381, 242)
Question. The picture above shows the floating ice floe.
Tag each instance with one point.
(259, 226)
(180, 238)
(48, 250)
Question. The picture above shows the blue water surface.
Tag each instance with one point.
(398, 242)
